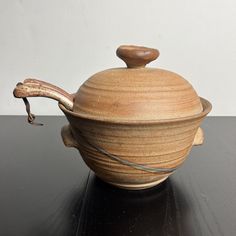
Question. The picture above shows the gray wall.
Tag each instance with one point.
(64, 42)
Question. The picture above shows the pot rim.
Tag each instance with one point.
(205, 104)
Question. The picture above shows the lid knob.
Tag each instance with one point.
(136, 56)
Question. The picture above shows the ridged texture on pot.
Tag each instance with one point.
(159, 145)
(136, 94)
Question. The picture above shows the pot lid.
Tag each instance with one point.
(136, 92)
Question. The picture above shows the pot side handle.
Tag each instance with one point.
(67, 137)
(199, 137)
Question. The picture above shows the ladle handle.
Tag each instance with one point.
(38, 88)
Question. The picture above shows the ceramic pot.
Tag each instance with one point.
(133, 126)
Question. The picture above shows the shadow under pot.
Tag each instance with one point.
(133, 126)
(153, 211)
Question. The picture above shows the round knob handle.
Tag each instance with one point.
(136, 56)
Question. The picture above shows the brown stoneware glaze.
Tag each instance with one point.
(133, 126)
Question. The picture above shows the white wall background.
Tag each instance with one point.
(64, 42)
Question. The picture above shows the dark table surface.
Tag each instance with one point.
(46, 189)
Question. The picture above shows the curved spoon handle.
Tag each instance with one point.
(38, 88)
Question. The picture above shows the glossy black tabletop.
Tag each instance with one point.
(46, 189)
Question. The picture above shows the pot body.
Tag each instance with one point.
(156, 145)
(133, 126)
